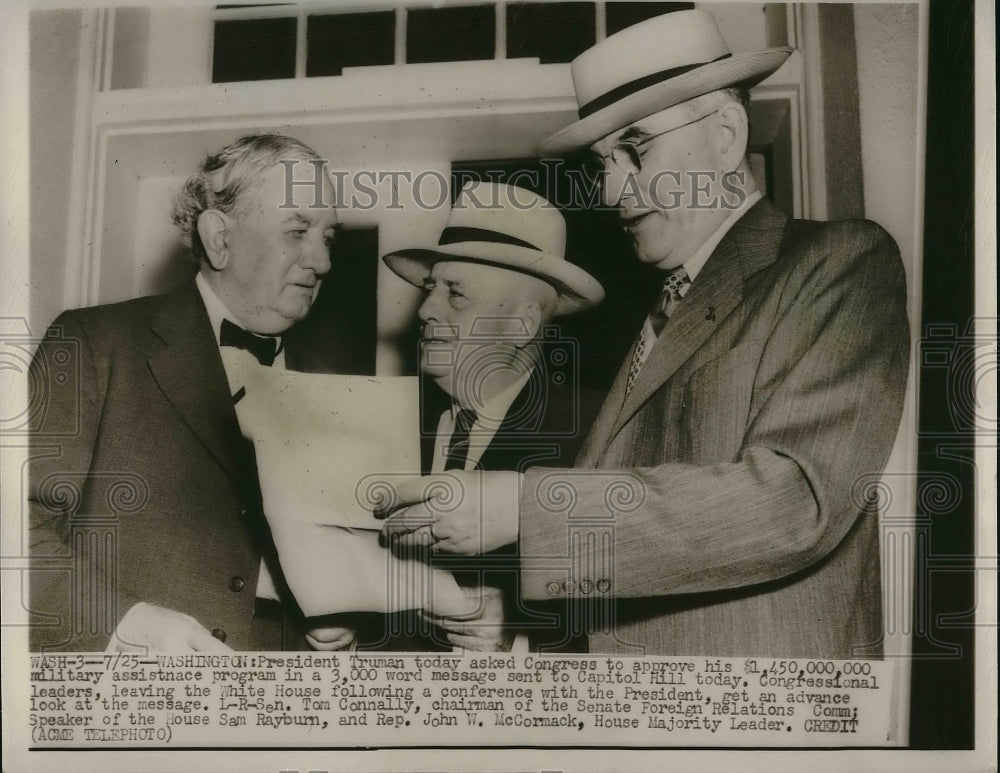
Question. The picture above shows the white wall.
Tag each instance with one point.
(749, 26)
(180, 46)
(888, 51)
(887, 44)
(53, 61)
(891, 146)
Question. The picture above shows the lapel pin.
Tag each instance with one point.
(710, 314)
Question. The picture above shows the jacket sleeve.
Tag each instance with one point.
(73, 601)
(826, 403)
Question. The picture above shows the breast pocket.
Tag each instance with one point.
(716, 404)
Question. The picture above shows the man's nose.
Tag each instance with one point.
(615, 185)
(316, 256)
(426, 313)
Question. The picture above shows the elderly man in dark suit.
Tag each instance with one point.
(146, 528)
(501, 397)
(715, 507)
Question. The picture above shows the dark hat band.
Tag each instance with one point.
(626, 89)
(456, 234)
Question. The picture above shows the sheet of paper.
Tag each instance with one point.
(322, 442)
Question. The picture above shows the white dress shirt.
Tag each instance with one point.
(488, 421)
(241, 369)
(493, 412)
(239, 364)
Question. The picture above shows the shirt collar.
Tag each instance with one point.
(695, 263)
(216, 309)
(494, 410)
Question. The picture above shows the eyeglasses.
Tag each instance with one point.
(626, 155)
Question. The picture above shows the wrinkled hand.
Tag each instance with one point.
(329, 633)
(150, 628)
(482, 630)
(459, 513)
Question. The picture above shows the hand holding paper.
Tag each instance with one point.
(461, 513)
(324, 446)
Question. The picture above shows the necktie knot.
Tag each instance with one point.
(675, 286)
(676, 280)
(264, 348)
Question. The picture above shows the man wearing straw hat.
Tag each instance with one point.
(718, 504)
(492, 286)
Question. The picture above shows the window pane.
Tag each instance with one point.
(457, 34)
(349, 40)
(622, 15)
(253, 50)
(554, 32)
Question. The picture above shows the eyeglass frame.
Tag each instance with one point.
(632, 146)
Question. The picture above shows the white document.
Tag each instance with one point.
(322, 444)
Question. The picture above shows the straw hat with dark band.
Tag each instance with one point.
(507, 227)
(651, 66)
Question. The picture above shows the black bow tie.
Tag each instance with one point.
(264, 348)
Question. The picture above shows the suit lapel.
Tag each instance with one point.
(709, 301)
(749, 246)
(189, 372)
(600, 433)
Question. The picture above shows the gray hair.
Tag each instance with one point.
(223, 179)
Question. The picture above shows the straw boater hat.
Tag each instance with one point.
(507, 227)
(651, 66)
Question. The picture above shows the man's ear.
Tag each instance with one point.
(213, 229)
(734, 135)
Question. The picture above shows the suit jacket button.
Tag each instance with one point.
(236, 584)
(244, 513)
(586, 586)
(569, 586)
(553, 588)
(603, 586)
(219, 634)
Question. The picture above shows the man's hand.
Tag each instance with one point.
(482, 630)
(460, 513)
(154, 629)
(329, 633)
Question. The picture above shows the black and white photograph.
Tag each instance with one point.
(459, 385)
